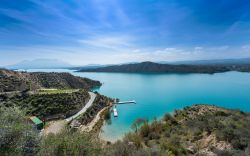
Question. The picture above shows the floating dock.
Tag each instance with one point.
(126, 102)
(121, 102)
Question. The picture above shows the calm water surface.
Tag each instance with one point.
(157, 94)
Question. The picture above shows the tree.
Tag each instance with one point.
(138, 123)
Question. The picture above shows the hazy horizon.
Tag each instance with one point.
(113, 32)
(67, 64)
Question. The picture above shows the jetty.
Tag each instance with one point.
(126, 102)
(121, 102)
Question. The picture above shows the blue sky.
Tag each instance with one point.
(116, 31)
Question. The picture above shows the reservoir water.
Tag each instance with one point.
(157, 94)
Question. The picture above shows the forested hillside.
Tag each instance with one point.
(46, 106)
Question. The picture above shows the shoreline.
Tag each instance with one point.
(95, 126)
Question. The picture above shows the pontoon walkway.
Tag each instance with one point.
(125, 102)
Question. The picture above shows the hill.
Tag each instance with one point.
(47, 104)
(22, 81)
(145, 67)
(195, 130)
(151, 67)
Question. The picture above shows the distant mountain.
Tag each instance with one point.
(242, 61)
(89, 66)
(151, 67)
(39, 64)
(94, 66)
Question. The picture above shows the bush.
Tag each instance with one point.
(122, 148)
(225, 135)
(17, 137)
(170, 119)
(145, 130)
(107, 115)
(68, 143)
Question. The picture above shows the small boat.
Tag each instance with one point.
(115, 112)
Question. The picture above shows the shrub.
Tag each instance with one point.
(107, 115)
(68, 143)
(17, 137)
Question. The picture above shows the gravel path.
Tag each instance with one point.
(55, 127)
(91, 125)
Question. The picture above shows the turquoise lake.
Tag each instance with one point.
(157, 94)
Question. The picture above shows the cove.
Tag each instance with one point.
(157, 94)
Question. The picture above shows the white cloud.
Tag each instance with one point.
(113, 9)
(115, 42)
(136, 50)
(198, 48)
(118, 49)
(246, 47)
(170, 49)
(224, 47)
(180, 54)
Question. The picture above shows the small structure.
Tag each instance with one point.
(75, 124)
(38, 124)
